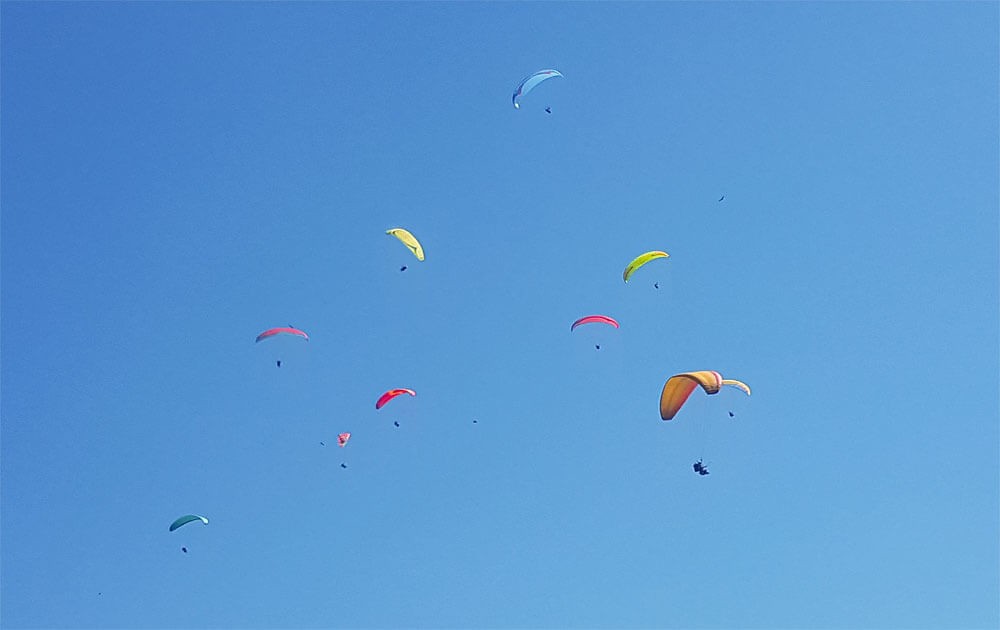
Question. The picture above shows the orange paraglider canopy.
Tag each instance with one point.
(678, 387)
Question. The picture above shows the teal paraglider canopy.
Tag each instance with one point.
(188, 518)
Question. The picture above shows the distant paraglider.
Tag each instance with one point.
(700, 468)
(594, 319)
(530, 82)
(342, 442)
(738, 385)
(284, 330)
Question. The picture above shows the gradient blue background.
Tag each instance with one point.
(177, 177)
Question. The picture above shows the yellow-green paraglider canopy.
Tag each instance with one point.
(409, 240)
(641, 260)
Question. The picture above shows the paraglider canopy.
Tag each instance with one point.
(641, 260)
(284, 330)
(411, 242)
(737, 384)
(187, 518)
(342, 439)
(678, 387)
(392, 393)
(531, 81)
(594, 319)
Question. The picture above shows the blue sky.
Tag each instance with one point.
(177, 177)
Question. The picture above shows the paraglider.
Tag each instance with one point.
(678, 387)
(530, 82)
(284, 330)
(392, 393)
(411, 242)
(738, 385)
(548, 110)
(395, 423)
(722, 197)
(188, 518)
(184, 549)
(343, 465)
(342, 439)
(641, 260)
(271, 332)
(594, 319)
(403, 268)
(700, 468)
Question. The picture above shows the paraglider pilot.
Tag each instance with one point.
(700, 468)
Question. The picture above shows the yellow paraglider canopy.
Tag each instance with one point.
(641, 260)
(678, 387)
(409, 240)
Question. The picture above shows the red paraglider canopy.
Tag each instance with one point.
(271, 332)
(392, 393)
(594, 319)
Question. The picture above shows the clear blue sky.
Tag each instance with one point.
(177, 177)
